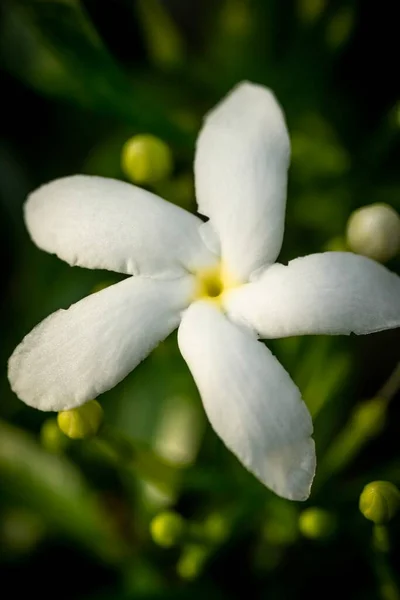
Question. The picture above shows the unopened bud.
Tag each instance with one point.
(317, 523)
(380, 501)
(216, 528)
(192, 561)
(167, 529)
(374, 231)
(52, 439)
(146, 159)
(81, 422)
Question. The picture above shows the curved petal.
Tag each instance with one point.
(241, 167)
(251, 402)
(76, 354)
(329, 293)
(102, 223)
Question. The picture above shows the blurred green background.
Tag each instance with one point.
(87, 519)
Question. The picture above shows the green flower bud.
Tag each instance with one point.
(146, 159)
(167, 529)
(379, 501)
(317, 523)
(81, 422)
(216, 528)
(192, 560)
(374, 231)
(52, 439)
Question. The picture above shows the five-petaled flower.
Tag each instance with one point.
(217, 281)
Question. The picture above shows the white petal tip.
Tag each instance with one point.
(246, 96)
(25, 386)
(290, 472)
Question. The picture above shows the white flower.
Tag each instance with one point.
(216, 281)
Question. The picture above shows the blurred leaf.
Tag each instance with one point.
(320, 390)
(56, 34)
(232, 43)
(317, 152)
(310, 10)
(52, 45)
(366, 422)
(20, 531)
(54, 488)
(280, 527)
(164, 42)
(339, 28)
(324, 212)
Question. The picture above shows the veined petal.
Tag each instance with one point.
(329, 293)
(102, 223)
(241, 167)
(251, 402)
(76, 354)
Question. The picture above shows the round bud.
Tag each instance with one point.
(167, 529)
(216, 528)
(146, 159)
(191, 561)
(82, 422)
(52, 439)
(379, 501)
(317, 523)
(374, 231)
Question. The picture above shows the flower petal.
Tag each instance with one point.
(76, 354)
(251, 402)
(102, 223)
(329, 293)
(241, 167)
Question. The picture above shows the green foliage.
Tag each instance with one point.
(54, 488)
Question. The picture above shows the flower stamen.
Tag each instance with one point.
(212, 283)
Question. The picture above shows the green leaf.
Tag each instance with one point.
(54, 488)
(164, 42)
(53, 46)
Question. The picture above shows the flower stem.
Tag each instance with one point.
(366, 421)
(139, 458)
(392, 385)
(388, 587)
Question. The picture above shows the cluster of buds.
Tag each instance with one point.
(198, 540)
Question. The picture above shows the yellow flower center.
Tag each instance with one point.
(212, 283)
